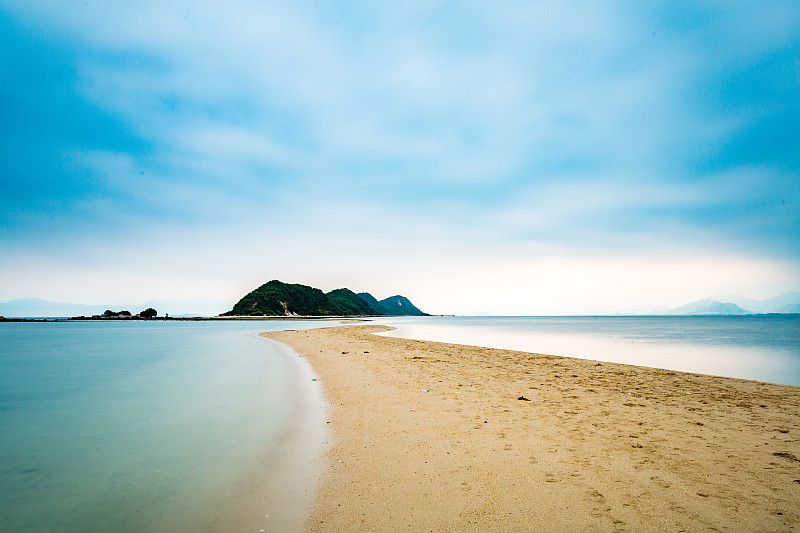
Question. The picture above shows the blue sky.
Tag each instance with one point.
(504, 157)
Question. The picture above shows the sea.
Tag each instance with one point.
(132, 426)
(756, 347)
(156, 425)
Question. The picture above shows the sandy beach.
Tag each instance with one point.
(441, 437)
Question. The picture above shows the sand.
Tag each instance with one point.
(440, 437)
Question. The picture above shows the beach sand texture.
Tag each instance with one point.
(436, 437)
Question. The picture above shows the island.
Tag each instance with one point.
(276, 298)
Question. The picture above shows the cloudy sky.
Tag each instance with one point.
(506, 157)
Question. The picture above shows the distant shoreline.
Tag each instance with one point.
(360, 317)
(178, 319)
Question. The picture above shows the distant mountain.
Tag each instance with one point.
(394, 305)
(276, 298)
(784, 303)
(708, 307)
(36, 307)
(790, 309)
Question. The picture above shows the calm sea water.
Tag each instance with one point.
(763, 348)
(134, 426)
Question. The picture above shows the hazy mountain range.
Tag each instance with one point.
(738, 305)
(708, 307)
(35, 307)
(785, 303)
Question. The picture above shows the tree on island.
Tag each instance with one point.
(116, 314)
(148, 313)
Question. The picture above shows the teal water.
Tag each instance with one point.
(134, 426)
(758, 347)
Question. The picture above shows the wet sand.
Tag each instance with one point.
(441, 437)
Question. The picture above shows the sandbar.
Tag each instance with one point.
(443, 437)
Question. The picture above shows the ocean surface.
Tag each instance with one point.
(757, 347)
(136, 426)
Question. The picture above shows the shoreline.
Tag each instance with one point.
(753, 348)
(279, 494)
(447, 437)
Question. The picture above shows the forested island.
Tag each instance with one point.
(276, 298)
(147, 314)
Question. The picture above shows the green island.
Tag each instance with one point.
(276, 298)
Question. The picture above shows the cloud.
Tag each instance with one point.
(179, 128)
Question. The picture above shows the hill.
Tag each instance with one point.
(276, 298)
(709, 307)
(394, 305)
(36, 307)
(784, 303)
(371, 301)
(795, 309)
(346, 302)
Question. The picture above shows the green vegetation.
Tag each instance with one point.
(276, 298)
(371, 301)
(393, 305)
(280, 299)
(116, 314)
(148, 313)
(346, 302)
(283, 299)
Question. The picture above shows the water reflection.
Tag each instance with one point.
(763, 348)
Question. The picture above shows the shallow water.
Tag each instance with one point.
(762, 348)
(134, 426)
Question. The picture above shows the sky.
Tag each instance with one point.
(506, 157)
